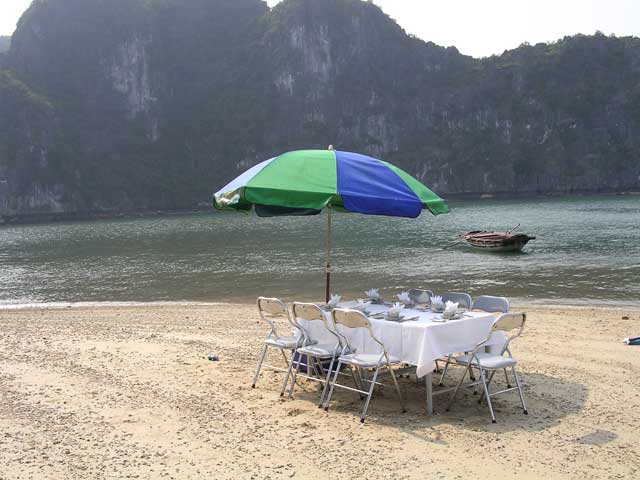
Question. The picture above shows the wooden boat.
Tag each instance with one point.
(497, 241)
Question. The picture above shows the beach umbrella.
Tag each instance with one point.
(305, 182)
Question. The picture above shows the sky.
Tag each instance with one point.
(476, 27)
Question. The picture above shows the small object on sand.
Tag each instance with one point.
(212, 357)
(632, 341)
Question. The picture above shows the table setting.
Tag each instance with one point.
(418, 333)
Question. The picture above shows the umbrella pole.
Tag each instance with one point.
(329, 233)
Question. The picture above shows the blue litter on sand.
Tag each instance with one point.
(632, 341)
(212, 357)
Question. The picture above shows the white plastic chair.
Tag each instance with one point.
(511, 324)
(317, 353)
(489, 304)
(361, 362)
(270, 309)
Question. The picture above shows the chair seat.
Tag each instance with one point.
(367, 359)
(490, 361)
(283, 342)
(326, 350)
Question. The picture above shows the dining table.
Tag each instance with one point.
(418, 338)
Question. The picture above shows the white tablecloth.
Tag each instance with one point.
(418, 342)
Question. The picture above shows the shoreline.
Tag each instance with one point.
(516, 303)
(37, 218)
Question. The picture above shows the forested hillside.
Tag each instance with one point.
(138, 104)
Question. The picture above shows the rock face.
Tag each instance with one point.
(135, 104)
(28, 160)
(5, 43)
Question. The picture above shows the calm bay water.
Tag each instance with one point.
(587, 251)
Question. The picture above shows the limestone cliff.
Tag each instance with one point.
(5, 43)
(136, 104)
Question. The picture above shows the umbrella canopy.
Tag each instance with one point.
(305, 182)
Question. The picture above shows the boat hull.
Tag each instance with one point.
(497, 242)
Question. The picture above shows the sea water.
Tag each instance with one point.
(587, 251)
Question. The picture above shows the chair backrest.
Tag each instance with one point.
(463, 299)
(487, 303)
(420, 296)
(508, 322)
(351, 318)
(307, 311)
(273, 307)
(270, 308)
(511, 324)
(310, 312)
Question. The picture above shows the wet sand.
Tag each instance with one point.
(127, 392)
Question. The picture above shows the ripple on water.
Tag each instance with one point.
(586, 251)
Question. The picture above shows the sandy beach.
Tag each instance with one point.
(127, 392)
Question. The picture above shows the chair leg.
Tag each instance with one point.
(506, 377)
(444, 371)
(472, 377)
(366, 403)
(357, 379)
(486, 391)
(363, 376)
(395, 382)
(284, 356)
(455, 392)
(326, 382)
(333, 384)
(493, 372)
(295, 374)
(317, 367)
(515, 375)
(255, 377)
(286, 377)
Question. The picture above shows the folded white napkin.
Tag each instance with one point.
(395, 310)
(334, 300)
(437, 302)
(373, 294)
(405, 298)
(451, 308)
(362, 305)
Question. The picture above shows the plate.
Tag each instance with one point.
(400, 319)
(440, 319)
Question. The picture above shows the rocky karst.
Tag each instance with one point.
(132, 104)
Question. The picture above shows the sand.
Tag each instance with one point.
(128, 393)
